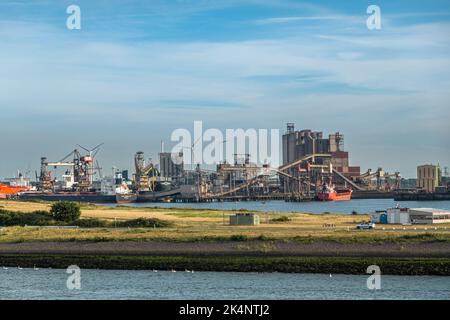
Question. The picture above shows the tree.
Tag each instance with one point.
(66, 211)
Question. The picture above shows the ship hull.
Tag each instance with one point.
(77, 197)
(9, 190)
(126, 198)
(343, 195)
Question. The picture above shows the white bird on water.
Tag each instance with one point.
(331, 275)
(5, 268)
(155, 270)
(173, 270)
(35, 268)
(19, 268)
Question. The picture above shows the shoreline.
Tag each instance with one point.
(295, 264)
(234, 256)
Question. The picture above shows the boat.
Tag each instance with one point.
(92, 197)
(330, 193)
(7, 190)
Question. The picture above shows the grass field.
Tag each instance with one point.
(210, 225)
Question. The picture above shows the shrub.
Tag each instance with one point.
(92, 223)
(354, 213)
(238, 237)
(281, 219)
(66, 211)
(143, 223)
(36, 218)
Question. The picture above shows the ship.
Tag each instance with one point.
(9, 191)
(112, 190)
(91, 197)
(330, 193)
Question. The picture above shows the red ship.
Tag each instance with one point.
(329, 193)
(6, 190)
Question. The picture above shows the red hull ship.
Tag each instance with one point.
(6, 190)
(330, 194)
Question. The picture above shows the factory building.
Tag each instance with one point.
(169, 169)
(297, 144)
(428, 177)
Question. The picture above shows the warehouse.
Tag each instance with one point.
(429, 216)
(410, 215)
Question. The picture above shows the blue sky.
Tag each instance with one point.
(137, 70)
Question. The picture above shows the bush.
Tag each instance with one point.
(36, 218)
(143, 223)
(354, 213)
(281, 219)
(66, 211)
(238, 237)
(92, 223)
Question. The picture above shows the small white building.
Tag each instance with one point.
(398, 216)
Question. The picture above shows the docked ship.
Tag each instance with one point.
(12, 186)
(330, 193)
(7, 190)
(112, 190)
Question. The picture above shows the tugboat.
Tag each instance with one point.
(329, 193)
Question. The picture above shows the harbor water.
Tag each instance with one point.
(113, 284)
(342, 207)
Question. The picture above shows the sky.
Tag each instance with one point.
(138, 70)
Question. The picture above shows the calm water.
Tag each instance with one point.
(344, 207)
(109, 284)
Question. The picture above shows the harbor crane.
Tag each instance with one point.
(82, 168)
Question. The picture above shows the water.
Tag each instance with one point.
(114, 284)
(343, 207)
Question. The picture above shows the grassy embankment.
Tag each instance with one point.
(196, 225)
(189, 225)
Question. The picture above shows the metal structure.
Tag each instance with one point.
(82, 169)
(142, 182)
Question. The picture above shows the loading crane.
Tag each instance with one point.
(82, 167)
(142, 183)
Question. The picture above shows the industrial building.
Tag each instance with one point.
(429, 177)
(298, 144)
(410, 216)
(168, 168)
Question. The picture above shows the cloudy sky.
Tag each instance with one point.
(137, 70)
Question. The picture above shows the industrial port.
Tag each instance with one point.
(314, 167)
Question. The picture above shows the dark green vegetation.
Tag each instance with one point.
(281, 219)
(343, 265)
(36, 218)
(66, 211)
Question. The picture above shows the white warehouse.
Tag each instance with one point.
(411, 215)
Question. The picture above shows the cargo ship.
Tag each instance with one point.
(92, 197)
(112, 190)
(329, 193)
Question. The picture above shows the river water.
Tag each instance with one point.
(119, 284)
(343, 207)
